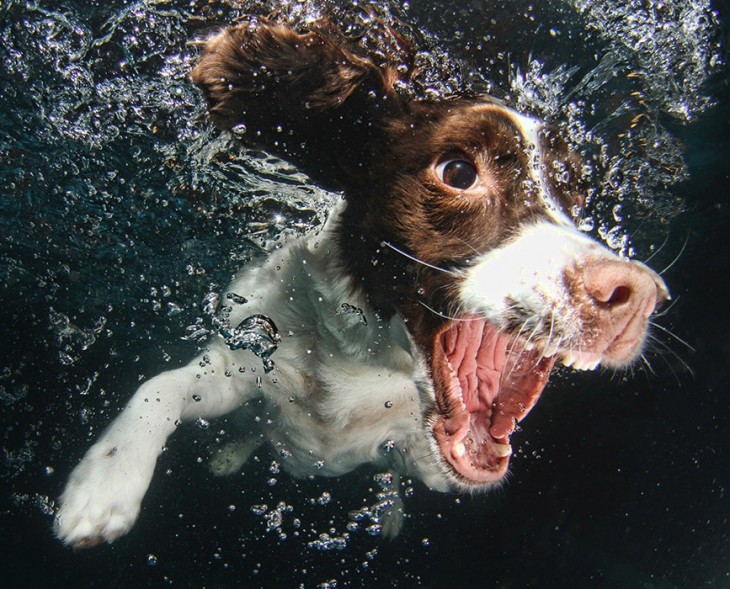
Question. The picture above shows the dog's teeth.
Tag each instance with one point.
(577, 363)
(460, 449)
(503, 450)
(569, 359)
(550, 352)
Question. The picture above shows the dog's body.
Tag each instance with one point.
(421, 323)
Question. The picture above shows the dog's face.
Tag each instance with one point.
(469, 217)
(460, 219)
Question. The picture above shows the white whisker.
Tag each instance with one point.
(647, 364)
(509, 352)
(550, 333)
(443, 315)
(679, 255)
(665, 349)
(669, 308)
(471, 247)
(660, 248)
(673, 335)
(516, 338)
(415, 259)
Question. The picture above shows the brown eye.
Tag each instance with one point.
(458, 174)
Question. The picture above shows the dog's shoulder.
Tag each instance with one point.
(344, 376)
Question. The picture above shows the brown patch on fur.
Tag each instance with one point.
(311, 97)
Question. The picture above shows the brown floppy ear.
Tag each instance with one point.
(314, 97)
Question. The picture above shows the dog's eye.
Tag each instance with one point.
(458, 174)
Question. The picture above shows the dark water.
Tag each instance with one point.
(121, 209)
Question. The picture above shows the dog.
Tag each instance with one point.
(420, 324)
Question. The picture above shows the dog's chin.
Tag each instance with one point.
(485, 382)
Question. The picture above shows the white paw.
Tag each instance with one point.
(102, 499)
(230, 458)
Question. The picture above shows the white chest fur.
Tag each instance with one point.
(346, 390)
(343, 391)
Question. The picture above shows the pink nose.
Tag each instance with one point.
(624, 294)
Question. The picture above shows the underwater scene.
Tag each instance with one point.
(125, 213)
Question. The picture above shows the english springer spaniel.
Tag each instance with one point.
(421, 323)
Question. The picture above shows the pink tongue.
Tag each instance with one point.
(477, 354)
(493, 378)
(523, 381)
(487, 382)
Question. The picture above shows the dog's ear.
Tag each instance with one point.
(315, 97)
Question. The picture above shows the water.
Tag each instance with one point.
(122, 210)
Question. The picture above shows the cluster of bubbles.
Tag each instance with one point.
(369, 518)
(654, 62)
(256, 332)
(71, 339)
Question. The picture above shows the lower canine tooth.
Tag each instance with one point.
(503, 450)
(550, 351)
(460, 449)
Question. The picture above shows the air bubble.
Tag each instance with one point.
(236, 298)
(173, 309)
(374, 529)
(256, 333)
(210, 303)
(326, 542)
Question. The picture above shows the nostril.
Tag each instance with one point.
(617, 284)
(621, 294)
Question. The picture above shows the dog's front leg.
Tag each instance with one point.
(103, 495)
(393, 515)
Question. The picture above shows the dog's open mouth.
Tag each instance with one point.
(486, 381)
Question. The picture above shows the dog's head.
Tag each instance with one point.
(460, 218)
